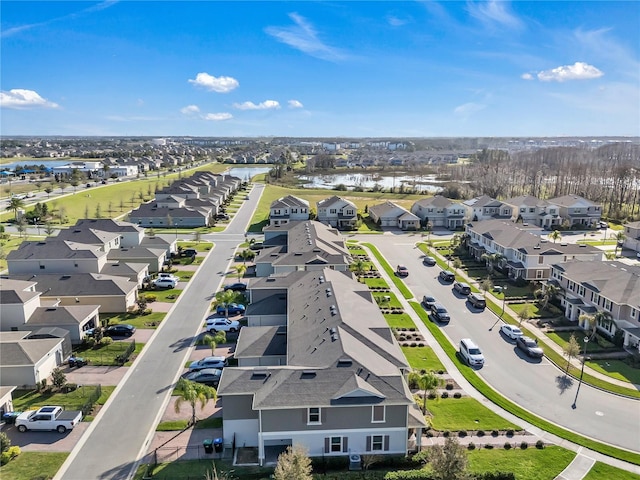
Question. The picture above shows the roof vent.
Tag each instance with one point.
(344, 362)
(308, 374)
(270, 279)
(563, 244)
(260, 374)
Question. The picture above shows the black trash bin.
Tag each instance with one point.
(217, 445)
(208, 445)
(10, 417)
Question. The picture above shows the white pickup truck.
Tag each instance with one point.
(48, 418)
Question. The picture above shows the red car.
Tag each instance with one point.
(402, 271)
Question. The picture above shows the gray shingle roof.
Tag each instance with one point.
(69, 315)
(261, 341)
(15, 291)
(25, 352)
(80, 284)
(108, 225)
(90, 236)
(55, 249)
(289, 201)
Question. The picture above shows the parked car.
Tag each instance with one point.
(471, 353)
(447, 276)
(529, 346)
(231, 309)
(169, 276)
(120, 330)
(236, 287)
(428, 301)
(511, 331)
(206, 376)
(256, 246)
(440, 313)
(429, 261)
(477, 300)
(51, 417)
(164, 283)
(188, 252)
(222, 216)
(216, 324)
(208, 362)
(462, 288)
(402, 271)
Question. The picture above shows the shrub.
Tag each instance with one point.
(524, 445)
(446, 433)
(457, 395)
(471, 446)
(488, 446)
(444, 395)
(10, 454)
(89, 342)
(105, 341)
(408, 475)
(540, 444)
(150, 298)
(507, 446)
(441, 372)
(480, 433)
(495, 433)
(5, 442)
(431, 396)
(462, 433)
(510, 432)
(449, 386)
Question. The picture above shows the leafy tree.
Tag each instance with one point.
(293, 464)
(48, 190)
(58, 378)
(426, 381)
(240, 269)
(620, 238)
(22, 227)
(5, 442)
(225, 298)
(555, 236)
(213, 340)
(142, 303)
(571, 350)
(98, 212)
(48, 228)
(546, 293)
(486, 285)
(449, 461)
(524, 314)
(193, 393)
(15, 204)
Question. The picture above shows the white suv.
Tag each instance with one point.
(471, 353)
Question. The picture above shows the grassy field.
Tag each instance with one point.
(402, 320)
(138, 321)
(423, 358)
(529, 464)
(616, 369)
(107, 354)
(602, 471)
(31, 399)
(33, 465)
(465, 414)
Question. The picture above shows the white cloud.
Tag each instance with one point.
(468, 109)
(190, 110)
(21, 99)
(494, 12)
(266, 105)
(303, 36)
(217, 117)
(396, 21)
(577, 71)
(216, 84)
(295, 104)
(526, 76)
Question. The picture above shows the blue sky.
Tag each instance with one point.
(320, 69)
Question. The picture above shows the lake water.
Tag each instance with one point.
(246, 173)
(422, 183)
(35, 161)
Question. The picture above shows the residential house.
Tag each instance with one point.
(523, 254)
(288, 209)
(151, 215)
(25, 362)
(632, 236)
(153, 257)
(576, 210)
(90, 236)
(337, 212)
(301, 246)
(486, 208)
(528, 209)
(342, 390)
(389, 214)
(130, 234)
(6, 401)
(439, 211)
(589, 288)
(56, 256)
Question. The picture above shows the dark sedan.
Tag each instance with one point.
(236, 287)
(529, 346)
(207, 376)
(120, 330)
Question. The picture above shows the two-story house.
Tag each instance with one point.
(528, 209)
(335, 382)
(288, 209)
(439, 211)
(577, 210)
(632, 237)
(611, 287)
(523, 254)
(56, 256)
(486, 208)
(337, 212)
(389, 214)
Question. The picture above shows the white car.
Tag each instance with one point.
(217, 324)
(511, 331)
(168, 276)
(164, 283)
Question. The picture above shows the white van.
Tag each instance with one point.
(471, 353)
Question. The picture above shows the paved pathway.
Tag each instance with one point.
(578, 468)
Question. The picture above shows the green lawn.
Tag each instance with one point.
(376, 283)
(183, 275)
(529, 464)
(108, 353)
(31, 399)
(33, 465)
(164, 295)
(399, 320)
(192, 469)
(465, 414)
(562, 338)
(138, 321)
(616, 369)
(393, 300)
(197, 246)
(178, 425)
(423, 358)
(602, 471)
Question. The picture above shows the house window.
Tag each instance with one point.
(377, 414)
(41, 267)
(633, 313)
(313, 415)
(333, 211)
(539, 273)
(540, 259)
(336, 444)
(294, 210)
(377, 443)
(607, 305)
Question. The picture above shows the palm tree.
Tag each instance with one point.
(546, 293)
(426, 381)
(207, 339)
(15, 204)
(555, 235)
(359, 267)
(602, 319)
(225, 298)
(193, 393)
(491, 259)
(247, 254)
(240, 269)
(620, 238)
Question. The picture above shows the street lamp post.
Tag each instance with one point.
(584, 359)
(504, 299)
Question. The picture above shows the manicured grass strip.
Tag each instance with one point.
(138, 321)
(200, 468)
(107, 354)
(197, 246)
(31, 399)
(33, 465)
(601, 471)
(529, 464)
(376, 283)
(168, 295)
(399, 320)
(511, 407)
(390, 271)
(380, 298)
(423, 358)
(465, 414)
(616, 369)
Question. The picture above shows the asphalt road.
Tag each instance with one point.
(121, 433)
(536, 385)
